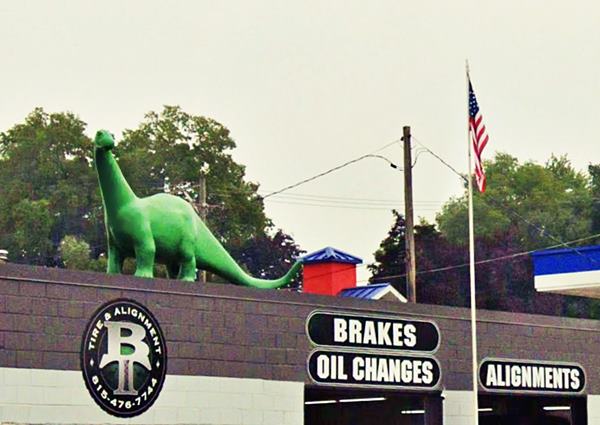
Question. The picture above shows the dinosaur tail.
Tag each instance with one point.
(211, 256)
(275, 283)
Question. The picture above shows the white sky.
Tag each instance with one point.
(305, 86)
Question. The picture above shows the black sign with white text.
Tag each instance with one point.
(352, 368)
(123, 358)
(530, 376)
(381, 332)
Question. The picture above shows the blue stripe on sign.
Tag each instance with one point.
(567, 260)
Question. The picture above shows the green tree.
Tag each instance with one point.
(172, 150)
(526, 206)
(48, 187)
(75, 253)
(594, 172)
(432, 252)
(443, 273)
(50, 190)
(539, 203)
(389, 265)
(270, 255)
(31, 230)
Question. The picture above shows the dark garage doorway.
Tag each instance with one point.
(532, 410)
(342, 406)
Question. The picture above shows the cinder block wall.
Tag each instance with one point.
(211, 330)
(41, 396)
(458, 408)
(226, 331)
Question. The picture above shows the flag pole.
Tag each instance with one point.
(472, 267)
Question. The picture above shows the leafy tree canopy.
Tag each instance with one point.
(50, 189)
(535, 202)
(172, 149)
(526, 206)
(443, 273)
(433, 251)
(75, 253)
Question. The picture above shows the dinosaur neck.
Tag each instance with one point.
(113, 186)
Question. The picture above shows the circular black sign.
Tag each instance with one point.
(123, 358)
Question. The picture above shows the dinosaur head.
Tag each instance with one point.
(104, 140)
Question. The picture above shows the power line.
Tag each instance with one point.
(344, 198)
(393, 142)
(345, 164)
(418, 152)
(293, 195)
(488, 201)
(335, 201)
(349, 206)
(309, 196)
(491, 260)
(354, 207)
(331, 170)
(439, 158)
(326, 199)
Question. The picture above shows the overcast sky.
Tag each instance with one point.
(305, 86)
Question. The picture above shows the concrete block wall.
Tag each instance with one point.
(37, 396)
(211, 330)
(593, 409)
(226, 331)
(458, 408)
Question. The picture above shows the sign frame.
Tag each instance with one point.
(372, 316)
(389, 387)
(533, 391)
(115, 403)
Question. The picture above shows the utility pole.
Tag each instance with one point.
(411, 268)
(202, 206)
(202, 209)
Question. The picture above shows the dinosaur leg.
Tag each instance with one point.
(173, 270)
(188, 266)
(115, 260)
(145, 251)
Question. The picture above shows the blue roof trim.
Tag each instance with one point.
(567, 250)
(330, 255)
(566, 260)
(368, 292)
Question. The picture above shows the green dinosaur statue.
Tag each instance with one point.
(162, 228)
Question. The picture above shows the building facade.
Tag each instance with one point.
(236, 355)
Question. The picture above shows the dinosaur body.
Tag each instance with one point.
(162, 228)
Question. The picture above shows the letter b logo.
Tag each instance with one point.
(118, 346)
(123, 358)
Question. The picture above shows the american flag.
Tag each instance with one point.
(479, 137)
